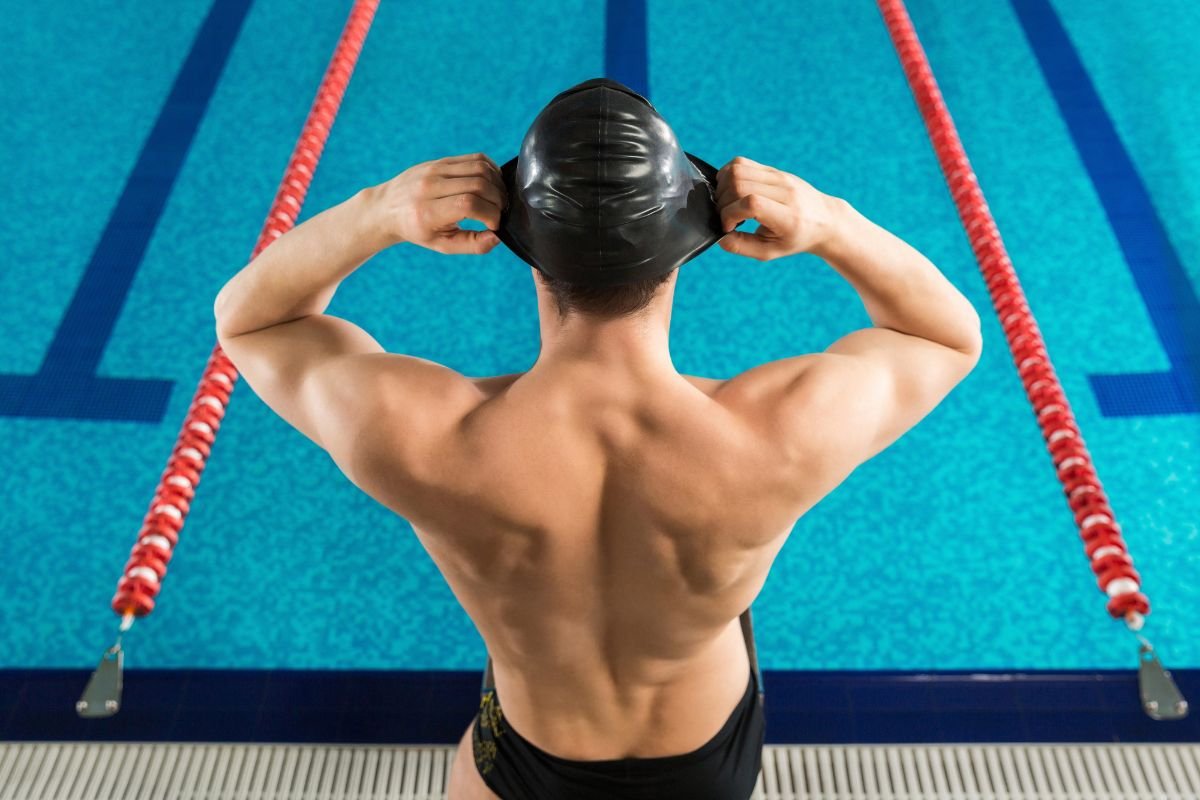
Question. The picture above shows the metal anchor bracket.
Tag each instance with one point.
(1161, 698)
(102, 696)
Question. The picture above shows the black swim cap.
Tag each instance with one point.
(602, 193)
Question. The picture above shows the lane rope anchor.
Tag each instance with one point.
(142, 577)
(1105, 547)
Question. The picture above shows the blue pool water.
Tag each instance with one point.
(952, 550)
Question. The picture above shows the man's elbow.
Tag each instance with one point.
(971, 342)
(219, 322)
(973, 348)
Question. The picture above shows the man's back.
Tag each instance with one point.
(604, 533)
(605, 523)
(603, 519)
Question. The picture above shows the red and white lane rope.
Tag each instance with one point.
(1098, 526)
(147, 565)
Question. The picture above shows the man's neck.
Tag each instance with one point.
(630, 344)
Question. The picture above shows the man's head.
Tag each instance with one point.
(604, 203)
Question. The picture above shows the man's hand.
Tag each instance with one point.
(425, 203)
(792, 216)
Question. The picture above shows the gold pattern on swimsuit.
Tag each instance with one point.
(485, 756)
(490, 716)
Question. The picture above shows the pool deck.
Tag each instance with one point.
(263, 771)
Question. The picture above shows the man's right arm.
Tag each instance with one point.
(843, 406)
(900, 288)
(925, 340)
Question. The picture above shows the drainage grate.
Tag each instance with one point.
(982, 772)
(81, 771)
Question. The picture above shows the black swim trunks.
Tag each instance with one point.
(725, 768)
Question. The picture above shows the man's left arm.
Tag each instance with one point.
(326, 376)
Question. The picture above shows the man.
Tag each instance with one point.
(603, 519)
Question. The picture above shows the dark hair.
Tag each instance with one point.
(602, 301)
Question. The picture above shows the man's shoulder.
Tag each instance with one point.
(493, 385)
(417, 403)
(709, 386)
(764, 392)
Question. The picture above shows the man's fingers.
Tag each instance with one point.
(481, 159)
(740, 161)
(771, 213)
(732, 190)
(460, 243)
(474, 184)
(734, 178)
(485, 170)
(742, 176)
(449, 211)
(465, 157)
(463, 169)
(747, 244)
(742, 168)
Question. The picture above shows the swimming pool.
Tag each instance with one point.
(953, 550)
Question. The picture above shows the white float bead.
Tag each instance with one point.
(1107, 550)
(157, 542)
(145, 573)
(1119, 586)
(169, 510)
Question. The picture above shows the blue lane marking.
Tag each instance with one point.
(66, 384)
(417, 706)
(1168, 294)
(625, 45)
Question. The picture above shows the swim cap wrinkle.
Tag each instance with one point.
(602, 193)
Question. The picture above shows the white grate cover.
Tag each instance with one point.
(150, 771)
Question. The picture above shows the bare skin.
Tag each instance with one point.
(601, 518)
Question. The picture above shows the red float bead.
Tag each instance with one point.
(1122, 604)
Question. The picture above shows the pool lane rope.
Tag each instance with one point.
(142, 578)
(1101, 534)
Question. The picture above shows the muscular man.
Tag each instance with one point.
(603, 519)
